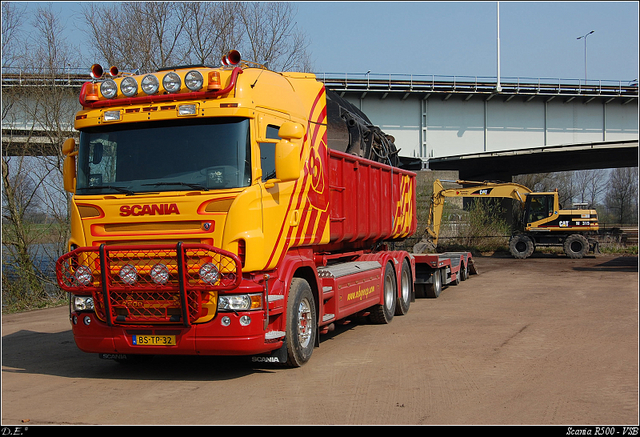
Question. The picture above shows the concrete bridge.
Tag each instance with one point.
(483, 128)
(487, 129)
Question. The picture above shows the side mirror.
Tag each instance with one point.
(69, 165)
(288, 151)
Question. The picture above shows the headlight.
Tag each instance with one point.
(129, 86)
(240, 302)
(150, 84)
(193, 80)
(83, 275)
(109, 89)
(82, 303)
(209, 273)
(171, 82)
(128, 274)
(160, 274)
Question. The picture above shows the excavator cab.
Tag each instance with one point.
(538, 207)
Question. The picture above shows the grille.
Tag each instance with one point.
(124, 291)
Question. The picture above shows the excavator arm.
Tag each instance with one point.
(470, 189)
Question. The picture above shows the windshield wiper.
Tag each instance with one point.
(194, 186)
(112, 187)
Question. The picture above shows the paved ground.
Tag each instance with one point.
(546, 340)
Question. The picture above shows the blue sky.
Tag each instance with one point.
(537, 39)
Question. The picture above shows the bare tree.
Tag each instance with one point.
(621, 199)
(211, 29)
(150, 35)
(12, 17)
(272, 36)
(38, 119)
(590, 185)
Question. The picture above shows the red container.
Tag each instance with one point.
(369, 201)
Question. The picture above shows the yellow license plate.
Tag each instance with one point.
(154, 340)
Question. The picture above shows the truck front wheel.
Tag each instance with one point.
(576, 246)
(301, 323)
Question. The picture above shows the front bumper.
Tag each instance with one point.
(213, 338)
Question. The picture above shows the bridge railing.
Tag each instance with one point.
(476, 84)
(69, 76)
(75, 76)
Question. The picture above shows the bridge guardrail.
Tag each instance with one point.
(75, 76)
(477, 84)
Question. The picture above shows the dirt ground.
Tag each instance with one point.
(547, 341)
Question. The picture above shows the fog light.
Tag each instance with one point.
(128, 274)
(245, 320)
(226, 321)
(87, 320)
(160, 274)
(209, 273)
(83, 275)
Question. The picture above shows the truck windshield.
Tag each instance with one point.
(204, 154)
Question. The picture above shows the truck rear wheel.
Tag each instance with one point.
(406, 282)
(576, 246)
(301, 323)
(383, 313)
(521, 246)
(434, 289)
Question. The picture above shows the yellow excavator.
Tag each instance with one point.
(543, 222)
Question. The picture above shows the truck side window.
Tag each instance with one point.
(268, 153)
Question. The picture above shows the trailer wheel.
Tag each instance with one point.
(464, 271)
(521, 246)
(576, 246)
(434, 289)
(301, 323)
(383, 313)
(406, 282)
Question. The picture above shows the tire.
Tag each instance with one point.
(464, 271)
(383, 313)
(302, 324)
(576, 246)
(434, 289)
(406, 284)
(521, 246)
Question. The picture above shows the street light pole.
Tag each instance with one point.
(585, 53)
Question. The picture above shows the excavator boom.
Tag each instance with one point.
(470, 189)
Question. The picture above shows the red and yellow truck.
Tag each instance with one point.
(233, 211)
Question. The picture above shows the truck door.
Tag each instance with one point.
(276, 196)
